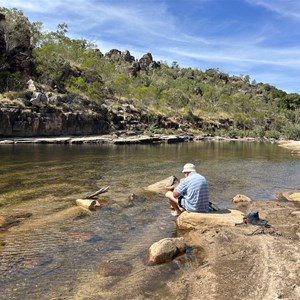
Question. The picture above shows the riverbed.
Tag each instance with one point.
(62, 253)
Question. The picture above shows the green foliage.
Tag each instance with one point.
(16, 29)
(209, 101)
(292, 132)
(10, 81)
(258, 132)
(272, 134)
(233, 134)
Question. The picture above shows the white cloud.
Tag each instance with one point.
(287, 8)
(155, 26)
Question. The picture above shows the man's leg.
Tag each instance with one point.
(174, 203)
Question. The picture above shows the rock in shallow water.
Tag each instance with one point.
(165, 250)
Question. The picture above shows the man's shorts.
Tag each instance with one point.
(179, 201)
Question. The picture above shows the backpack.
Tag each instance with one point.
(253, 218)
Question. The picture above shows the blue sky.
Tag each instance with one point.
(259, 38)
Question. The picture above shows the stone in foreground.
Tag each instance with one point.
(228, 217)
(165, 250)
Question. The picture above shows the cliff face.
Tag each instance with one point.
(15, 122)
(15, 51)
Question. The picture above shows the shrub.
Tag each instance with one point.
(259, 132)
(272, 134)
(292, 132)
(234, 134)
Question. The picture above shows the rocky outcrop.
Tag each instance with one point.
(49, 122)
(145, 63)
(15, 50)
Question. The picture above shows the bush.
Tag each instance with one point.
(234, 134)
(259, 132)
(292, 132)
(272, 134)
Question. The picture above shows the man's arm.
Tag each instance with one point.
(176, 194)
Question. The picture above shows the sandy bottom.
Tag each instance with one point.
(294, 146)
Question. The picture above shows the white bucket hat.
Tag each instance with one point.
(188, 168)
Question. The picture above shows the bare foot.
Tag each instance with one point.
(175, 213)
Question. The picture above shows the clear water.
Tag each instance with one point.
(63, 252)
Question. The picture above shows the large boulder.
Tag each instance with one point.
(165, 250)
(229, 217)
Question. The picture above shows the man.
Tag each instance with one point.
(191, 194)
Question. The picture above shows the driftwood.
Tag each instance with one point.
(101, 191)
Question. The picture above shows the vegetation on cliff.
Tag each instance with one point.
(164, 97)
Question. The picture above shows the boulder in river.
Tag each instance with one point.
(165, 250)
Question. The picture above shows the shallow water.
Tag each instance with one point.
(60, 254)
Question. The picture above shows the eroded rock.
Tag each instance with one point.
(165, 250)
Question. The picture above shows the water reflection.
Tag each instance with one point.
(58, 253)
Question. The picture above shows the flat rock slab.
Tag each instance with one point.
(228, 217)
(291, 195)
(294, 146)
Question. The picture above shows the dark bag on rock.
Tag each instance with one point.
(253, 218)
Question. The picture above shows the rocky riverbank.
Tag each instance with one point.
(246, 260)
(118, 138)
(238, 260)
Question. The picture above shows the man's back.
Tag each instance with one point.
(194, 192)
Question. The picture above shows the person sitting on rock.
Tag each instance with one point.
(191, 194)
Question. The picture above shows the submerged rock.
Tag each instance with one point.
(115, 269)
(11, 220)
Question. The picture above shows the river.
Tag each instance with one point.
(57, 254)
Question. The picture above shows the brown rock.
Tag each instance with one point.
(165, 250)
(189, 221)
(164, 185)
(240, 198)
(290, 195)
